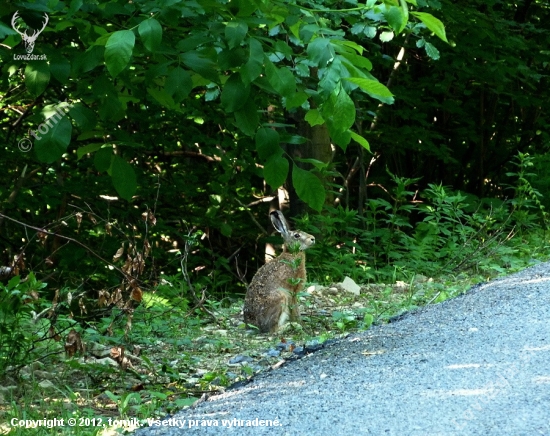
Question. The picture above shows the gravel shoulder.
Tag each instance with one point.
(478, 364)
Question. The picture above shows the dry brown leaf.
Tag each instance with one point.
(128, 323)
(137, 294)
(55, 299)
(146, 248)
(110, 330)
(119, 253)
(152, 218)
(82, 306)
(53, 334)
(103, 298)
(74, 344)
(116, 298)
(117, 353)
(127, 267)
(78, 218)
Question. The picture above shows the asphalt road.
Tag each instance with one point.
(475, 365)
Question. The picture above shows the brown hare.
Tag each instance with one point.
(272, 297)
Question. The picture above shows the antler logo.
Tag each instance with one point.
(29, 40)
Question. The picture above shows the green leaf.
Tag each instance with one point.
(52, 138)
(87, 61)
(343, 115)
(358, 61)
(90, 148)
(247, 117)
(60, 68)
(200, 63)
(320, 165)
(360, 140)
(281, 79)
(432, 23)
(431, 51)
(13, 282)
(373, 88)
(295, 100)
(235, 93)
(293, 139)
(118, 51)
(309, 188)
(226, 230)
(394, 17)
(162, 97)
(75, 6)
(235, 31)
(124, 178)
(178, 84)
(267, 143)
(254, 66)
(320, 51)
(150, 32)
(339, 137)
(83, 117)
(276, 171)
(37, 77)
(103, 158)
(314, 117)
(331, 77)
(405, 11)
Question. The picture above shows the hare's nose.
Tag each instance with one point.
(312, 240)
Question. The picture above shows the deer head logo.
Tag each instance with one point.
(29, 40)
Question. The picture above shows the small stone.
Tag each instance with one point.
(200, 371)
(332, 291)
(323, 376)
(240, 360)
(46, 384)
(314, 347)
(221, 332)
(401, 286)
(273, 353)
(419, 278)
(350, 286)
(299, 351)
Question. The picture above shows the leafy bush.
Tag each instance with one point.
(438, 231)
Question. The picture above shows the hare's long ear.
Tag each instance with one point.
(279, 222)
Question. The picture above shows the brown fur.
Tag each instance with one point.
(271, 300)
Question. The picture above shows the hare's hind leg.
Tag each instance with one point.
(275, 314)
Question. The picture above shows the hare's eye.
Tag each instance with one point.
(296, 236)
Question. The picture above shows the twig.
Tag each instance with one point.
(183, 264)
(92, 252)
(264, 231)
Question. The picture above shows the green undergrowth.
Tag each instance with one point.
(185, 353)
(407, 250)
